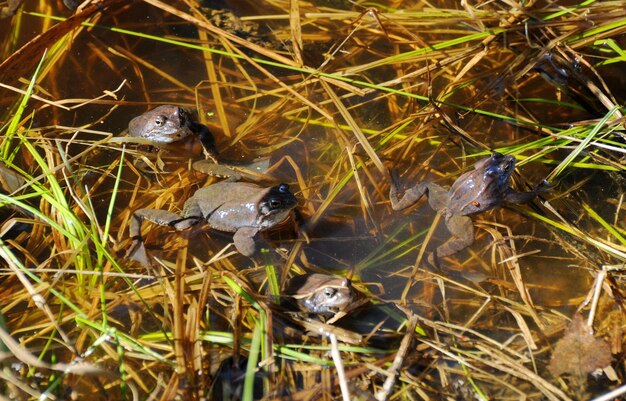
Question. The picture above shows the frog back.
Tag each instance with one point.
(228, 206)
(475, 192)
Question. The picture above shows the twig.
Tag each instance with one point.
(341, 374)
(394, 370)
(596, 297)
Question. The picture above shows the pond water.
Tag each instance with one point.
(309, 126)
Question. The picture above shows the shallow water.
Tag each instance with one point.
(351, 227)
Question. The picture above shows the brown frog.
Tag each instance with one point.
(168, 123)
(244, 209)
(320, 293)
(228, 21)
(484, 188)
(564, 71)
(249, 30)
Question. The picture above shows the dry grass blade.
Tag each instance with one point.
(356, 130)
(39, 301)
(36, 97)
(150, 67)
(23, 60)
(251, 46)
(22, 354)
(508, 257)
(426, 89)
(215, 89)
(296, 31)
(611, 395)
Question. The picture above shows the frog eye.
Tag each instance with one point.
(160, 121)
(329, 292)
(283, 188)
(275, 203)
(475, 203)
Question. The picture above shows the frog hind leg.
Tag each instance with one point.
(244, 240)
(217, 170)
(462, 230)
(408, 198)
(254, 171)
(137, 250)
(160, 217)
(436, 195)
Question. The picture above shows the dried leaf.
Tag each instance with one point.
(579, 352)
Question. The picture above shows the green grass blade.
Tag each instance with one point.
(253, 359)
(6, 144)
(581, 146)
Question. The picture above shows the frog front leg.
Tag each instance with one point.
(244, 240)
(513, 196)
(462, 230)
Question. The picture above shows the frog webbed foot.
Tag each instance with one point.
(437, 196)
(245, 240)
(408, 198)
(462, 230)
(137, 252)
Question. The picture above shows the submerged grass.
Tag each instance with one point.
(424, 91)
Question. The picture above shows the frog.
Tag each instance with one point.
(320, 293)
(485, 187)
(251, 31)
(227, 20)
(564, 71)
(242, 208)
(169, 123)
